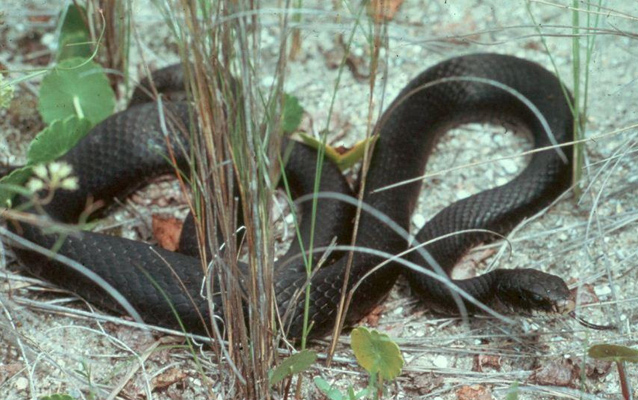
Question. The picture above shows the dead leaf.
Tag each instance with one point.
(427, 383)
(168, 378)
(383, 10)
(474, 392)
(167, 231)
(482, 361)
(39, 18)
(559, 372)
(372, 318)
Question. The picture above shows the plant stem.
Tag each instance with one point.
(624, 383)
(78, 107)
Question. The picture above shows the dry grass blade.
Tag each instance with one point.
(233, 152)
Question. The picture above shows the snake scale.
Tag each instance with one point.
(127, 148)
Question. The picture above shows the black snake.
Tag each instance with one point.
(123, 149)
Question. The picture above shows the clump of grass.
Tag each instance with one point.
(234, 152)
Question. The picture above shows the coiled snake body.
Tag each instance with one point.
(127, 146)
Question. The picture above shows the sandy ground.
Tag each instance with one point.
(590, 241)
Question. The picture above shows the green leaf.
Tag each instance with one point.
(57, 397)
(56, 139)
(74, 40)
(612, 352)
(12, 184)
(293, 111)
(74, 20)
(512, 392)
(294, 364)
(345, 160)
(328, 390)
(76, 87)
(376, 353)
(77, 44)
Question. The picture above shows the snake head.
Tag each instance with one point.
(529, 291)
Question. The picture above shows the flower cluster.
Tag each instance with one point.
(55, 175)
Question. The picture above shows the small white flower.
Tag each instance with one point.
(64, 170)
(70, 183)
(55, 175)
(35, 185)
(54, 166)
(41, 172)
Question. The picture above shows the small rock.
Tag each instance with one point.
(602, 291)
(21, 383)
(440, 362)
(509, 166)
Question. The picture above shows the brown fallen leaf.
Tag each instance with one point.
(474, 392)
(567, 372)
(168, 378)
(166, 231)
(560, 372)
(482, 361)
(426, 383)
(383, 10)
(373, 316)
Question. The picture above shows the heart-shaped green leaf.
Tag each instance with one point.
(74, 40)
(75, 45)
(377, 353)
(76, 87)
